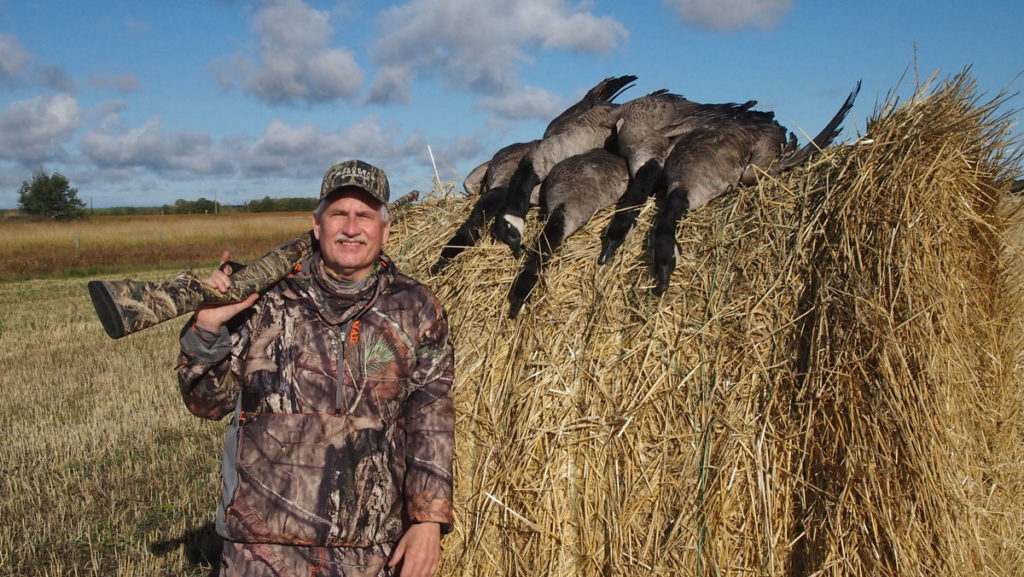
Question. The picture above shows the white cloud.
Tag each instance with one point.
(18, 67)
(35, 130)
(283, 151)
(305, 152)
(298, 151)
(731, 14)
(149, 147)
(13, 58)
(391, 85)
(295, 63)
(527, 103)
(54, 78)
(580, 32)
(477, 44)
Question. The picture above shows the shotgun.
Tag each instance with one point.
(128, 306)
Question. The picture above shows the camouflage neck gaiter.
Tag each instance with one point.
(336, 298)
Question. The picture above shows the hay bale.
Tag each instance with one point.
(832, 384)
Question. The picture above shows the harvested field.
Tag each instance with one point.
(831, 386)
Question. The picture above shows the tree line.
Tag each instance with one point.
(51, 197)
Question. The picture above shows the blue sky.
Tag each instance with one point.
(142, 103)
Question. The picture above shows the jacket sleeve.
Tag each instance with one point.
(430, 423)
(207, 383)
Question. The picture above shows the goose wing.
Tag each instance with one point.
(504, 162)
(600, 95)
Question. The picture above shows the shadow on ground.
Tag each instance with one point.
(201, 546)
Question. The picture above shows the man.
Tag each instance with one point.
(338, 460)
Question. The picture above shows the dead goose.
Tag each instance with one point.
(711, 160)
(647, 130)
(586, 125)
(573, 191)
(491, 184)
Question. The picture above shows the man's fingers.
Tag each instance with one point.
(226, 266)
(397, 554)
(235, 308)
(212, 317)
(219, 278)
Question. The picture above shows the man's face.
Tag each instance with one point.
(351, 232)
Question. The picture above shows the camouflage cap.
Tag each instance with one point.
(359, 174)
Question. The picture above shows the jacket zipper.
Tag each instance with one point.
(341, 367)
(346, 333)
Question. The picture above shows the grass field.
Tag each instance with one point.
(102, 470)
(121, 243)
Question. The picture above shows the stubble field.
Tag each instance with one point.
(102, 470)
(119, 244)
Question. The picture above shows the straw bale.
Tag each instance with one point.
(831, 385)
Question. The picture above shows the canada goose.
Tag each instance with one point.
(583, 126)
(647, 129)
(714, 158)
(573, 191)
(492, 186)
(474, 183)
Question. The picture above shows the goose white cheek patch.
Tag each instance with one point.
(517, 222)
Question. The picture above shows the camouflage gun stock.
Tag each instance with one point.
(128, 306)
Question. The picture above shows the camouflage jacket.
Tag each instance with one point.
(343, 432)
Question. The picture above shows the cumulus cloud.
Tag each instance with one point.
(283, 151)
(296, 63)
(286, 150)
(306, 151)
(392, 85)
(526, 103)
(110, 146)
(13, 58)
(35, 130)
(731, 14)
(54, 78)
(18, 67)
(477, 44)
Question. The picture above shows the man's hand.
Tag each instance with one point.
(212, 317)
(419, 550)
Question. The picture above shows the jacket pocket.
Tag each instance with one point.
(314, 480)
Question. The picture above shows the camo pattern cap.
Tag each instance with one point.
(359, 174)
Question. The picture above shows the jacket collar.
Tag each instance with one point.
(335, 300)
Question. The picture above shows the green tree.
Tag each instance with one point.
(182, 206)
(264, 205)
(205, 206)
(50, 196)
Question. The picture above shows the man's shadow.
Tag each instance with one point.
(202, 547)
